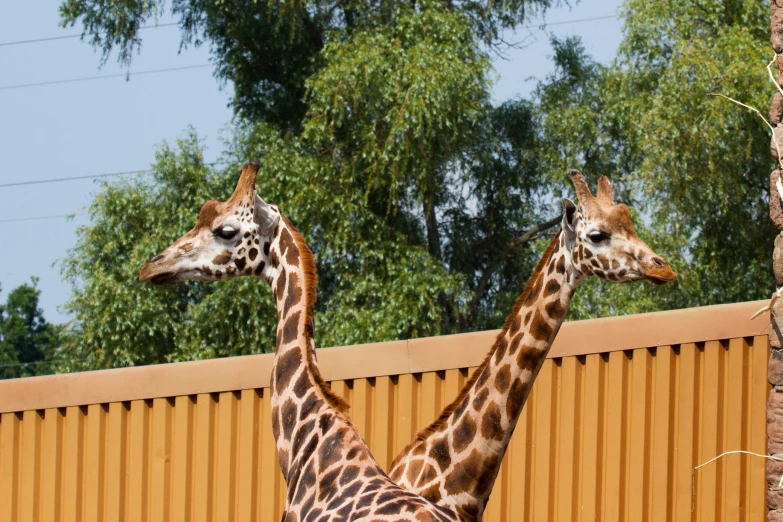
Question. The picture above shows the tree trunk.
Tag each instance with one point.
(775, 400)
(433, 233)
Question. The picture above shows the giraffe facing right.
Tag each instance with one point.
(454, 462)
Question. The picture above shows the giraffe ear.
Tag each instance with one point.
(264, 216)
(569, 221)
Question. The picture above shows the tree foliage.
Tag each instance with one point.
(26, 338)
(269, 50)
(695, 166)
(426, 204)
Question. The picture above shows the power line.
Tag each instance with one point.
(70, 36)
(564, 22)
(188, 67)
(74, 178)
(39, 218)
(91, 176)
(172, 24)
(104, 77)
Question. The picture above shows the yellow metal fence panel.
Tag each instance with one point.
(608, 436)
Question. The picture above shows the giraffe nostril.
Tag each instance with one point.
(156, 258)
(659, 262)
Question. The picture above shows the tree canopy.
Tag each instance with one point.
(425, 204)
(26, 339)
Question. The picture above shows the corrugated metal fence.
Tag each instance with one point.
(617, 420)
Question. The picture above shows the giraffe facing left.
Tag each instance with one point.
(329, 471)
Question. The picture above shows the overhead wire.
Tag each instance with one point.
(103, 77)
(71, 36)
(172, 24)
(565, 22)
(128, 74)
(39, 218)
(74, 178)
(152, 71)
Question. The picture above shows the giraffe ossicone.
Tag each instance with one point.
(329, 471)
(454, 462)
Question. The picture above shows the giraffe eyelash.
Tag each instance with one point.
(225, 232)
(598, 237)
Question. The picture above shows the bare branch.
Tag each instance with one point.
(527, 236)
(771, 77)
(771, 128)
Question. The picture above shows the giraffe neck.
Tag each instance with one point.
(329, 471)
(299, 393)
(454, 462)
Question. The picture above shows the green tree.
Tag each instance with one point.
(695, 167)
(427, 205)
(376, 145)
(26, 338)
(269, 50)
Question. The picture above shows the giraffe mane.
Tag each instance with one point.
(446, 413)
(310, 283)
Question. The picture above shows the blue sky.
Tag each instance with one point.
(112, 125)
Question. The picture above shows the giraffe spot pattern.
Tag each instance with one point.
(413, 471)
(294, 294)
(429, 474)
(555, 309)
(302, 433)
(288, 418)
(516, 324)
(500, 350)
(515, 343)
(281, 280)
(222, 258)
(291, 328)
(480, 399)
(464, 433)
(540, 329)
(532, 297)
(503, 378)
(288, 248)
(491, 427)
(464, 476)
(432, 493)
(552, 287)
(528, 358)
(310, 404)
(285, 368)
(440, 453)
(516, 398)
(330, 451)
(561, 265)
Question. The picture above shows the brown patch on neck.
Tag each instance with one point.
(531, 284)
(309, 285)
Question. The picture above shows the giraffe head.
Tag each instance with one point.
(602, 241)
(230, 239)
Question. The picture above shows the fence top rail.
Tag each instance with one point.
(445, 352)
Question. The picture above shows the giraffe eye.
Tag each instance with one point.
(598, 237)
(226, 232)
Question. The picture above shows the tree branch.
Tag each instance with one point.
(515, 243)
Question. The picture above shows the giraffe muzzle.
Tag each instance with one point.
(157, 272)
(659, 272)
